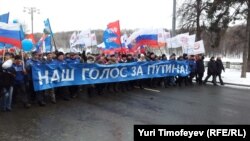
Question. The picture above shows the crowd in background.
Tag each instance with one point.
(16, 81)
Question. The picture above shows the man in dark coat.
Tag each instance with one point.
(200, 69)
(211, 71)
(7, 75)
(220, 67)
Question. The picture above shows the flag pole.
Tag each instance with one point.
(3, 52)
(23, 60)
(52, 34)
(54, 41)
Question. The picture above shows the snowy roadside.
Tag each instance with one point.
(232, 76)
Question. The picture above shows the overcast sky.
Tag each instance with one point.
(70, 15)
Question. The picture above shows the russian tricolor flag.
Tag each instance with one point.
(147, 37)
(10, 34)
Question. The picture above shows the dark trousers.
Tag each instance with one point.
(100, 88)
(213, 80)
(73, 90)
(20, 89)
(199, 78)
(35, 95)
(63, 92)
(190, 78)
(221, 81)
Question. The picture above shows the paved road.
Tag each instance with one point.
(111, 117)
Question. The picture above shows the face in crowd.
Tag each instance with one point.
(49, 56)
(18, 61)
(36, 56)
(7, 56)
(61, 57)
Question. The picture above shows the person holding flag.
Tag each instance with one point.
(7, 75)
(19, 85)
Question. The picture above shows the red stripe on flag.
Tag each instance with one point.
(11, 41)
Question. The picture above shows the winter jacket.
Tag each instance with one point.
(212, 68)
(200, 66)
(219, 66)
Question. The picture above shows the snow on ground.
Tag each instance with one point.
(232, 76)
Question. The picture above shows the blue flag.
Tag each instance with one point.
(109, 39)
(4, 18)
(47, 26)
(47, 43)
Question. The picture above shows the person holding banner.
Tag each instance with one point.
(192, 65)
(63, 91)
(100, 87)
(73, 59)
(35, 60)
(50, 92)
(171, 79)
(123, 85)
(112, 87)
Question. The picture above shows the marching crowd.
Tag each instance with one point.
(16, 80)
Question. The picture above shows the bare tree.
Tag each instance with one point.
(192, 14)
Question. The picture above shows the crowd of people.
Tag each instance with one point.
(16, 80)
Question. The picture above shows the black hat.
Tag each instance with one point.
(35, 52)
(8, 54)
(124, 55)
(59, 54)
(18, 57)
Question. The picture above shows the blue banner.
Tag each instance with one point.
(47, 76)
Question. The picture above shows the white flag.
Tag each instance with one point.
(73, 39)
(93, 40)
(83, 38)
(124, 39)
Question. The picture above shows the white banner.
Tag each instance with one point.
(83, 38)
(188, 44)
(197, 48)
(173, 42)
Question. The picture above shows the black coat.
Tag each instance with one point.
(7, 77)
(211, 67)
(219, 66)
(200, 66)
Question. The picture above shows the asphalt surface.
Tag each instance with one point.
(110, 117)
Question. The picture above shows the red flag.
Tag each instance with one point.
(115, 28)
(31, 37)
